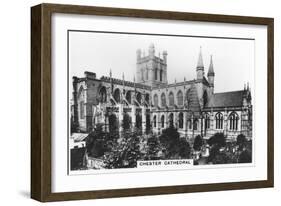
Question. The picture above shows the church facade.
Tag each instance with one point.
(151, 103)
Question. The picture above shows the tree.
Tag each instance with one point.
(153, 147)
(241, 141)
(98, 142)
(216, 142)
(245, 157)
(184, 149)
(125, 153)
(198, 142)
(174, 146)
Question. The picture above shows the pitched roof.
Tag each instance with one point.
(226, 99)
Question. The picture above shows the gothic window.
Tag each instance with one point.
(116, 95)
(171, 120)
(155, 73)
(189, 124)
(139, 97)
(154, 121)
(162, 121)
(161, 73)
(219, 120)
(205, 98)
(181, 120)
(82, 111)
(128, 97)
(195, 124)
(163, 100)
(187, 97)
(146, 71)
(171, 99)
(142, 74)
(233, 121)
(147, 98)
(103, 96)
(207, 121)
(180, 98)
(155, 98)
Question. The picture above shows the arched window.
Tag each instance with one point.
(129, 97)
(219, 120)
(207, 121)
(171, 99)
(205, 98)
(103, 96)
(180, 98)
(161, 73)
(155, 73)
(154, 121)
(147, 98)
(155, 98)
(82, 111)
(126, 121)
(162, 121)
(139, 97)
(233, 121)
(171, 120)
(116, 95)
(142, 74)
(195, 124)
(81, 98)
(163, 99)
(146, 72)
(180, 120)
(189, 124)
(187, 98)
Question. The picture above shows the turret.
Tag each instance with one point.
(138, 55)
(165, 56)
(151, 50)
(200, 66)
(211, 75)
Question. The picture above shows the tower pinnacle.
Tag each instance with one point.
(200, 64)
(211, 67)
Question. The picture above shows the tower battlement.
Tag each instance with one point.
(151, 70)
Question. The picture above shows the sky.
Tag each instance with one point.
(233, 59)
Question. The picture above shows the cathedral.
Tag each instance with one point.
(152, 103)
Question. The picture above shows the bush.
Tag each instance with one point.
(174, 146)
(198, 142)
(153, 147)
(218, 140)
(241, 141)
(245, 157)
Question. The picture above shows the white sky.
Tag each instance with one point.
(99, 52)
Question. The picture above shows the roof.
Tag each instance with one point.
(226, 99)
(77, 137)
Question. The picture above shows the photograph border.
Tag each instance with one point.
(41, 95)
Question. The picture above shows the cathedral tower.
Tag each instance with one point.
(151, 69)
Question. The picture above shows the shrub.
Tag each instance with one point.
(198, 142)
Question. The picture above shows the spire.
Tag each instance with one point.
(200, 64)
(110, 73)
(211, 67)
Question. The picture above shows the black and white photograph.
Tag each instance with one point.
(156, 101)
